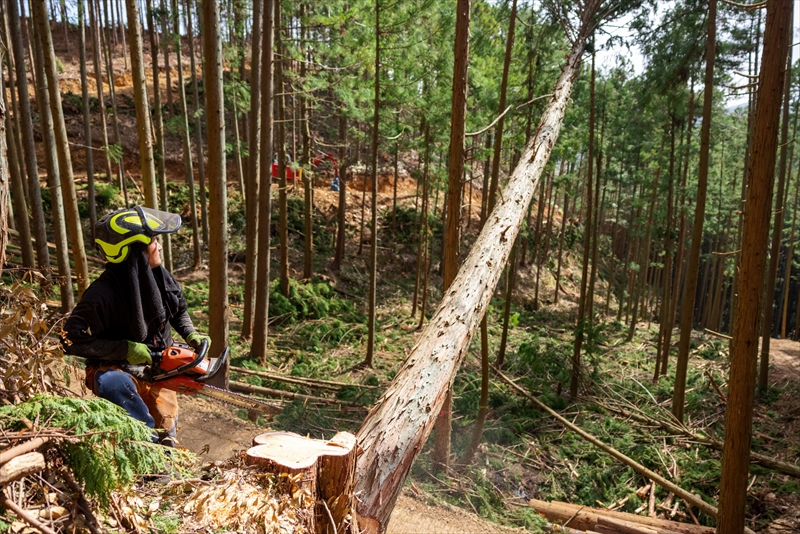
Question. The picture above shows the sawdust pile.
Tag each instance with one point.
(245, 499)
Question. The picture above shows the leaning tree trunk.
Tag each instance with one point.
(396, 429)
(690, 288)
(147, 169)
(744, 347)
(218, 198)
(62, 146)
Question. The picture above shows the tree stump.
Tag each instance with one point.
(319, 474)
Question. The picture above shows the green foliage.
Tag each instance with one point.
(107, 449)
(309, 301)
(114, 152)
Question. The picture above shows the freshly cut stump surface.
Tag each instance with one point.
(321, 472)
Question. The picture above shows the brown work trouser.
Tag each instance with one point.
(161, 403)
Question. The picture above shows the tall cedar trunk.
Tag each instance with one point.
(29, 149)
(98, 78)
(363, 208)
(777, 235)
(426, 261)
(790, 253)
(258, 349)
(599, 200)
(394, 431)
(62, 147)
(452, 242)
(690, 288)
(218, 304)
(53, 182)
(308, 249)
(666, 324)
(744, 347)
(122, 33)
(612, 267)
(87, 123)
(644, 258)
(16, 158)
(396, 176)
(679, 263)
(630, 243)
(106, 46)
(537, 236)
(283, 211)
(198, 124)
(422, 246)
(165, 16)
(580, 329)
(561, 246)
(142, 104)
(158, 126)
(341, 211)
(373, 252)
(187, 143)
(253, 170)
(4, 171)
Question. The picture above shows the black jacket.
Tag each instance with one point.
(128, 302)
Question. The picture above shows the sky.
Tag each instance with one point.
(607, 59)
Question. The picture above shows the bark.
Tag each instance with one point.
(112, 93)
(258, 349)
(689, 290)
(741, 390)
(63, 149)
(561, 246)
(777, 235)
(787, 277)
(5, 124)
(423, 226)
(165, 33)
(187, 143)
(644, 258)
(666, 304)
(611, 269)
(218, 303)
(395, 430)
(537, 236)
(253, 169)
(373, 251)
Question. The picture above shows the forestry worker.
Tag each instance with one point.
(127, 313)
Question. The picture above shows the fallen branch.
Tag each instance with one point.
(758, 458)
(22, 514)
(21, 466)
(310, 382)
(269, 392)
(639, 468)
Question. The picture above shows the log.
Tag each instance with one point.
(21, 467)
(319, 474)
(302, 381)
(587, 518)
(22, 448)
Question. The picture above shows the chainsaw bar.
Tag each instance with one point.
(239, 400)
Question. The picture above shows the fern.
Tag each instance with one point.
(107, 447)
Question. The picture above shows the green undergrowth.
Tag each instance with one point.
(106, 449)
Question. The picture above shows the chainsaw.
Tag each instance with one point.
(179, 368)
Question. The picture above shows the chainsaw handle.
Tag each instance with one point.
(199, 357)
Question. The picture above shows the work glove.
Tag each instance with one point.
(138, 354)
(195, 339)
